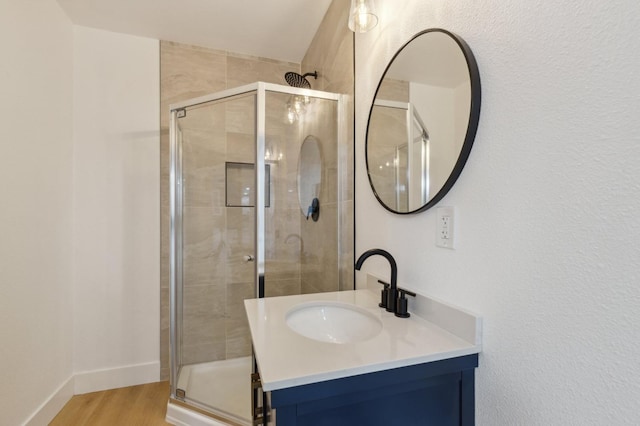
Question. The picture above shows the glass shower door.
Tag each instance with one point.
(215, 228)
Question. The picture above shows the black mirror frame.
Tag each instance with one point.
(472, 127)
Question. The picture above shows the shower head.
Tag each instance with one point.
(296, 80)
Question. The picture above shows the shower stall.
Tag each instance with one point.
(242, 227)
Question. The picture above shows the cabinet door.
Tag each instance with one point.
(406, 405)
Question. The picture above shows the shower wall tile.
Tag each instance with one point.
(282, 287)
(204, 252)
(338, 67)
(240, 229)
(238, 339)
(336, 45)
(346, 197)
(203, 324)
(278, 270)
(322, 125)
(346, 261)
(276, 114)
(283, 188)
(203, 152)
(189, 71)
(320, 261)
(236, 294)
(241, 115)
(346, 155)
(241, 147)
(199, 184)
(331, 53)
(245, 70)
(305, 288)
(204, 350)
(205, 302)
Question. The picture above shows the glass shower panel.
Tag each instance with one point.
(217, 150)
(301, 255)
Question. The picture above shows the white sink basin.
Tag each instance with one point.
(333, 322)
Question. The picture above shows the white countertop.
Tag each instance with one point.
(287, 359)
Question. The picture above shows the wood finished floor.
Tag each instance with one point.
(143, 405)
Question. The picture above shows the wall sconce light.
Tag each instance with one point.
(362, 16)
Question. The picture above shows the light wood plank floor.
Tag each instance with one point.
(143, 405)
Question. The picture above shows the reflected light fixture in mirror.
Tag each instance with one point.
(362, 16)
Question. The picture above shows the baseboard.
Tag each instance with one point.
(112, 378)
(52, 406)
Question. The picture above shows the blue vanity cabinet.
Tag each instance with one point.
(434, 393)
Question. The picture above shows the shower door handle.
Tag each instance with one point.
(248, 258)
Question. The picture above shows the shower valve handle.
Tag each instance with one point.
(248, 258)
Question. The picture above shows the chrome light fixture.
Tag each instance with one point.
(362, 16)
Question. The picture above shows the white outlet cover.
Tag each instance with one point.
(445, 227)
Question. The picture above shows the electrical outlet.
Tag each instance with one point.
(445, 227)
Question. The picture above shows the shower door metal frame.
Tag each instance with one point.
(176, 193)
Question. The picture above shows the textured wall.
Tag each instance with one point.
(547, 205)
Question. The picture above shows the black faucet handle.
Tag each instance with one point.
(402, 292)
(402, 304)
(384, 294)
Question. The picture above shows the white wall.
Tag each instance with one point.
(36, 215)
(117, 229)
(549, 234)
(99, 91)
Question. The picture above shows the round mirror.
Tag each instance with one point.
(422, 121)
(309, 174)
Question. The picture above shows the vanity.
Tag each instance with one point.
(339, 359)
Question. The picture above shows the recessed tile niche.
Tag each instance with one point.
(240, 185)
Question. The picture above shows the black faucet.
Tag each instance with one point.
(392, 292)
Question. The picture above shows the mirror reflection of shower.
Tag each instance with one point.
(403, 158)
